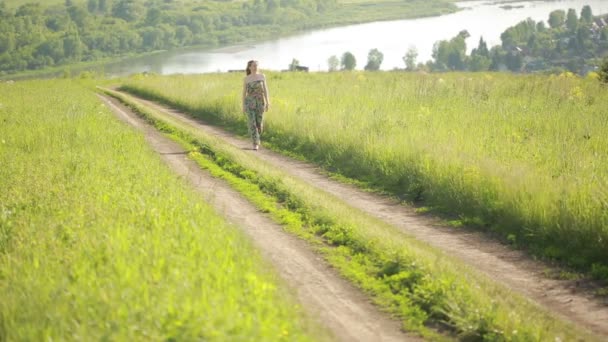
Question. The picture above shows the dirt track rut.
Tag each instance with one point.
(514, 269)
(331, 300)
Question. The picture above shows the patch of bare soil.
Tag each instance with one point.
(328, 298)
(570, 299)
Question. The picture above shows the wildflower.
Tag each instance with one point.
(576, 93)
(567, 74)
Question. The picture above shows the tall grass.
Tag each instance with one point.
(523, 156)
(100, 241)
(419, 284)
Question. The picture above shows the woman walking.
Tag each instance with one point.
(255, 101)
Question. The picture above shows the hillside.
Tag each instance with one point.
(36, 36)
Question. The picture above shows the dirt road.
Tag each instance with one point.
(514, 269)
(334, 302)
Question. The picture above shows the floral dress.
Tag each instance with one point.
(254, 107)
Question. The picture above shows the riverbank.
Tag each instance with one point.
(345, 13)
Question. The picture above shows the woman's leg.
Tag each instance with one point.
(259, 122)
(252, 126)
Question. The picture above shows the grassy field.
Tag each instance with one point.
(100, 241)
(418, 284)
(525, 157)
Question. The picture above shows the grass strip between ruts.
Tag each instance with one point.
(426, 289)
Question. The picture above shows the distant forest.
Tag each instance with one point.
(37, 35)
(570, 42)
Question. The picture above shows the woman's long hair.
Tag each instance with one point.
(248, 70)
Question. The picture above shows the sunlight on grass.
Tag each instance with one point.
(524, 156)
(417, 283)
(100, 241)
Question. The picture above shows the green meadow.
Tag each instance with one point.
(99, 240)
(524, 157)
(431, 293)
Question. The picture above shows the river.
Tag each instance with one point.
(393, 38)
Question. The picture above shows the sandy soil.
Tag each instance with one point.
(570, 299)
(330, 300)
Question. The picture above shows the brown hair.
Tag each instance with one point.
(249, 66)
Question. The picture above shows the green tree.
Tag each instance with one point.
(533, 44)
(455, 60)
(153, 16)
(572, 20)
(441, 50)
(557, 19)
(458, 51)
(152, 38)
(183, 35)
(129, 40)
(29, 10)
(129, 10)
(72, 47)
(52, 48)
(78, 15)
(7, 42)
(480, 57)
(272, 5)
(374, 60)
(103, 6)
(541, 27)
(603, 72)
(518, 34)
(410, 58)
(497, 55)
(92, 6)
(586, 15)
(168, 40)
(544, 45)
(293, 66)
(333, 63)
(480, 63)
(57, 22)
(3, 10)
(29, 34)
(583, 39)
(514, 61)
(482, 48)
(348, 62)
(451, 54)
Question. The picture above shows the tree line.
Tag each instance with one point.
(570, 42)
(34, 36)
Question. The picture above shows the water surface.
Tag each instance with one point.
(392, 38)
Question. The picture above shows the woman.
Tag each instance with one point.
(255, 101)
